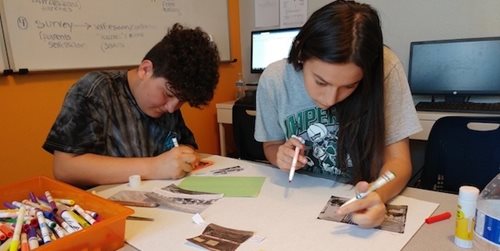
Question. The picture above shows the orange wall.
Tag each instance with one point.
(29, 105)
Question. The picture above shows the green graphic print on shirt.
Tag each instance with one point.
(319, 129)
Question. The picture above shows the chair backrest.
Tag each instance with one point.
(461, 151)
(243, 129)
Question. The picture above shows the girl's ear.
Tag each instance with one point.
(145, 69)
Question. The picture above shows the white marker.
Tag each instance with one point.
(295, 157)
(174, 141)
(382, 180)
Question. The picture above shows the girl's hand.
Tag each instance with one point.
(367, 212)
(286, 152)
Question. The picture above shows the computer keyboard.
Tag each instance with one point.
(465, 107)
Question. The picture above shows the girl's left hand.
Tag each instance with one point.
(368, 212)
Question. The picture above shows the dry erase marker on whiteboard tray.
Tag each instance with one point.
(295, 157)
(381, 181)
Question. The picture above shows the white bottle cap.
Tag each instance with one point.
(134, 180)
(468, 193)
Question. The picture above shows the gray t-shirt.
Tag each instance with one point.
(284, 109)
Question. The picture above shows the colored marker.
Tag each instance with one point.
(294, 160)
(439, 217)
(32, 238)
(60, 232)
(24, 242)
(9, 205)
(2, 236)
(6, 244)
(67, 202)
(43, 227)
(8, 213)
(36, 205)
(85, 216)
(51, 201)
(14, 245)
(381, 181)
(72, 222)
(33, 197)
(92, 213)
(79, 219)
(6, 229)
(63, 224)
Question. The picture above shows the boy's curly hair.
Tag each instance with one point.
(189, 60)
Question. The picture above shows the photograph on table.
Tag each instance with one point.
(395, 217)
(133, 198)
(216, 237)
(174, 197)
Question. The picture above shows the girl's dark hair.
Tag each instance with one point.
(349, 32)
(189, 60)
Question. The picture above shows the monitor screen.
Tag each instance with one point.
(268, 46)
(455, 67)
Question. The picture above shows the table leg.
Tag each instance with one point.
(222, 139)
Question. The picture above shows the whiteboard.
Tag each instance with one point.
(3, 54)
(72, 34)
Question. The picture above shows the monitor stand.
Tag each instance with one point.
(456, 98)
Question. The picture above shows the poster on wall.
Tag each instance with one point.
(266, 13)
(293, 13)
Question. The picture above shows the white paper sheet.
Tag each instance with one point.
(266, 13)
(285, 214)
(293, 13)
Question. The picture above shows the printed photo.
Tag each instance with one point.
(395, 218)
(219, 238)
(174, 197)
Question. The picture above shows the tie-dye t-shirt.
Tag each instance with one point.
(100, 115)
(284, 109)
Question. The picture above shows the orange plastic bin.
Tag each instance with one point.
(107, 234)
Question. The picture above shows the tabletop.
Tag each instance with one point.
(285, 215)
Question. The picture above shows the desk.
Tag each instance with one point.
(270, 213)
(427, 119)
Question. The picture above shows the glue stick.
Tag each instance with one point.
(466, 210)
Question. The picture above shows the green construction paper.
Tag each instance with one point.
(232, 186)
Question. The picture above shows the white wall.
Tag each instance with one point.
(404, 21)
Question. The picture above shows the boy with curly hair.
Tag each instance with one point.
(114, 124)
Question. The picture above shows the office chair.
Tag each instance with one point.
(247, 147)
(461, 151)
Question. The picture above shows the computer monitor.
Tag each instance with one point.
(268, 46)
(455, 68)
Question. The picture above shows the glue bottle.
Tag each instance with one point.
(466, 209)
(487, 229)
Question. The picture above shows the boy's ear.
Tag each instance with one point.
(145, 69)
